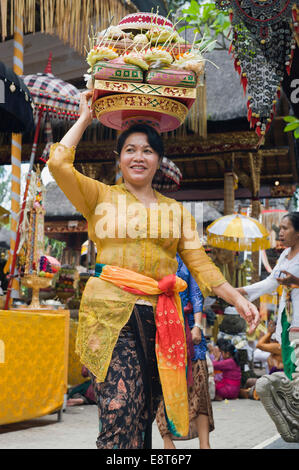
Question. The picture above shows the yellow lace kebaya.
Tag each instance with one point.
(131, 236)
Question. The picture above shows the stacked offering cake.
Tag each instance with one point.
(142, 70)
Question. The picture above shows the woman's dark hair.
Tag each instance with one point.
(226, 346)
(294, 219)
(154, 139)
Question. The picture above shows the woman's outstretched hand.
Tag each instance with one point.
(288, 280)
(245, 309)
(249, 312)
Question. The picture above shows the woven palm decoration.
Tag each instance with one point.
(263, 45)
(70, 20)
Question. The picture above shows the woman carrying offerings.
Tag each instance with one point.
(130, 312)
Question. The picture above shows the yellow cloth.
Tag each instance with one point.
(129, 235)
(75, 376)
(33, 363)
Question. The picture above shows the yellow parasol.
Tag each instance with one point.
(238, 232)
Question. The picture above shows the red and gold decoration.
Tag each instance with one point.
(143, 21)
(263, 46)
(142, 70)
(35, 268)
(139, 74)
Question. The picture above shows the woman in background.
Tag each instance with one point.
(200, 408)
(288, 312)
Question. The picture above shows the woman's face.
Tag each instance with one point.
(287, 234)
(225, 354)
(138, 160)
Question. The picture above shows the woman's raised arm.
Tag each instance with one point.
(82, 191)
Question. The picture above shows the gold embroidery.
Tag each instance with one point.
(139, 102)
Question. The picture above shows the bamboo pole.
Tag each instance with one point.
(16, 154)
(3, 7)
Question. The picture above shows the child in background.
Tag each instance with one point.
(229, 385)
(82, 394)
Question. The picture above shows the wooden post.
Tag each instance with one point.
(255, 161)
(229, 193)
(229, 208)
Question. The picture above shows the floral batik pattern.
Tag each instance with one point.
(128, 398)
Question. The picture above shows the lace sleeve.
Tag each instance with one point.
(82, 191)
(200, 265)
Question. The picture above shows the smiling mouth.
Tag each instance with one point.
(135, 167)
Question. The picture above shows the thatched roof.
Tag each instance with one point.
(68, 19)
(225, 97)
(203, 211)
(58, 210)
(210, 213)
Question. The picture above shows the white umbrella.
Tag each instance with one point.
(238, 232)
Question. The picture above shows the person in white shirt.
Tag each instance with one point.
(288, 313)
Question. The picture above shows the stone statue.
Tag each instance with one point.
(280, 396)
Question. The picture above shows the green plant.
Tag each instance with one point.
(56, 247)
(241, 273)
(210, 22)
(292, 126)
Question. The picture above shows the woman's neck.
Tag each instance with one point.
(294, 250)
(145, 194)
